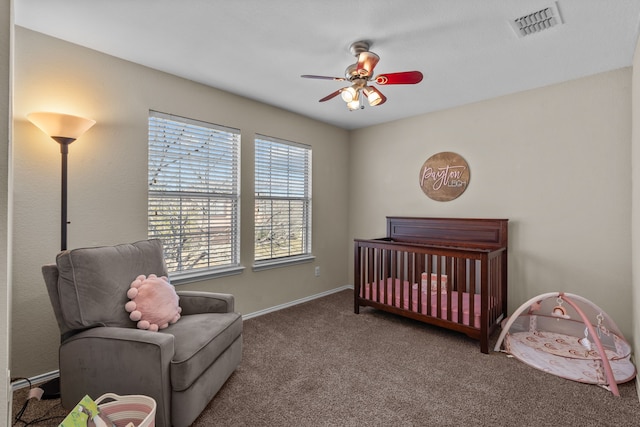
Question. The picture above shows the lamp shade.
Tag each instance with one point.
(354, 104)
(367, 62)
(374, 96)
(58, 125)
(348, 94)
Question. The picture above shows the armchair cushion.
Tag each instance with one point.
(194, 352)
(93, 282)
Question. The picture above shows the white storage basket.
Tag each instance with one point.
(122, 410)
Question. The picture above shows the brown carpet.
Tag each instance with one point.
(319, 364)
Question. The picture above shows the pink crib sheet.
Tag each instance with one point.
(386, 297)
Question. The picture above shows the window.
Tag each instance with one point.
(282, 200)
(193, 201)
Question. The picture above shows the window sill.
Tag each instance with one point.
(190, 277)
(285, 262)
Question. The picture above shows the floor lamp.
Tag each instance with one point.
(64, 129)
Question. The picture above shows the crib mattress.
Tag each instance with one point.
(386, 294)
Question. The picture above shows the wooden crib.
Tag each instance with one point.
(449, 272)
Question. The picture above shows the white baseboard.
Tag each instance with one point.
(296, 302)
(38, 379)
(17, 385)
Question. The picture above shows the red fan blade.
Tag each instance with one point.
(403, 78)
(310, 76)
(331, 95)
(366, 63)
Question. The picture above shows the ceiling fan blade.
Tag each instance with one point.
(366, 63)
(331, 95)
(402, 78)
(310, 76)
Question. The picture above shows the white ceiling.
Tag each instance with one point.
(466, 49)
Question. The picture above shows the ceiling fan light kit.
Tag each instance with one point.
(354, 104)
(348, 94)
(373, 96)
(360, 74)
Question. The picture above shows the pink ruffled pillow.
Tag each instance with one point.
(154, 303)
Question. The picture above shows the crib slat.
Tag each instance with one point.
(461, 280)
(394, 271)
(419, 270)
(384, 277)
(472, 292)
(357, 280)
(492, 288)
(376, 272)
(371, 271)
(428, 271)
(401, 275)
(447, 271)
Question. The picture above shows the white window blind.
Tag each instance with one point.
(282, 199)
(193, 200)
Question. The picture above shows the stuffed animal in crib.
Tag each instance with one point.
(154, 303)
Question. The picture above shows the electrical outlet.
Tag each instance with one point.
(317, 271)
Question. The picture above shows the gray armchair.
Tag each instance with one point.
(182, 367)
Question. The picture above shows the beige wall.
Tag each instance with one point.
(6, 22)
(107, 179)
(555, 161)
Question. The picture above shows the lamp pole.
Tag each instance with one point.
(64, 151)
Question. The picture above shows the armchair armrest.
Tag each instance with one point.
(113, 359)
(122, 349)
(194, 302)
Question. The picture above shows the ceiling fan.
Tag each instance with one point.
(360, 74)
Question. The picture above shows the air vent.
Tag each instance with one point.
(537, 21)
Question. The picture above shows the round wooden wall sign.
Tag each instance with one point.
(444, 176)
